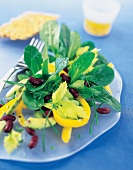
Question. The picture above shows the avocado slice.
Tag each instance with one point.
(38, 123)
(38, 114)
(15, 88)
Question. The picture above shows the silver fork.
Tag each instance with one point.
(20, 64)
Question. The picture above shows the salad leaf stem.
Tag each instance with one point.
(14, 83)
(94, 117)
(55, 130)
(43, 132)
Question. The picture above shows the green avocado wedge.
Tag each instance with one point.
(39, 123)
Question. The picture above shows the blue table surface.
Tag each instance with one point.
(114, 149)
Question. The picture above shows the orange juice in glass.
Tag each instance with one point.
(99, 16)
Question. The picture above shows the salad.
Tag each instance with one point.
(60, 85)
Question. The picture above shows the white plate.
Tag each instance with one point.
(55, 148)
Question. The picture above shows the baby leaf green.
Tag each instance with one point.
(36, 64)
(29, 53)
(86, 92)
(64, 40)
(79, 84)
(75, 43)
(31, 102)
(22, 76)
(49, 33)
(88, 43)
(80, 65)
(45, 67)
(101, 60)
(101, 75)
(60, 64)
(101, 95)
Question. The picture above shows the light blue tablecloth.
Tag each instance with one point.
(114, 149)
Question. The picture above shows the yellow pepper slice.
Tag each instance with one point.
(6, 106)
(111, 65)
(68, 124)
(51, 68)
(19, 113)
(63, 72)
(108, 86)
(66, 134)
(74, 123)
(108, 89)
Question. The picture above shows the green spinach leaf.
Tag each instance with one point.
(79, 84)
(101, 75)
(75, 43)
(101, 60)
(86, 92)
(101, 95)
(80, 65)
(40, 94)
(52, 85)
(64, 40)
(49, 33)
(38, 76)
(22, 76)
(28, 73)
(51, 58)
(60, 64)
(45, 52)
(29, 53)
(31, 102)
(15, 83)
(36, 64)
(88, 43)
(45, 67)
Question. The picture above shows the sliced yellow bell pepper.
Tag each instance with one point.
(24, 106)
(19, 113)
(74, 123)
(66, 134)
(82, 50)
(108, 89)
(51, 68)
(111, 65)
(7, 106)
(63, 72)
(68, 124)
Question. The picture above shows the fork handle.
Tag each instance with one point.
(6, 77)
